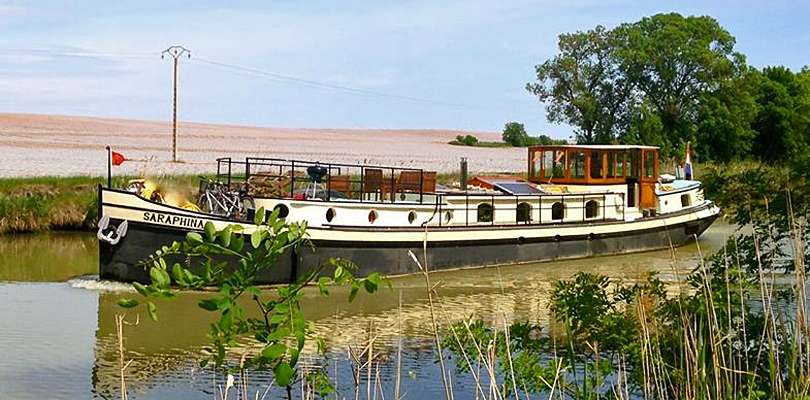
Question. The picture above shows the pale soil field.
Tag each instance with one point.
(39, 145)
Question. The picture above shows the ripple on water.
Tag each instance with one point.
(93, 283)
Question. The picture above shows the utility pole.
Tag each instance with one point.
(175, 52)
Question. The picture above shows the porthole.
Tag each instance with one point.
(557, 238)
(283, 210)
(591, 236)
(330, 214)
(448, 216)
(411, 216)
(372, 216)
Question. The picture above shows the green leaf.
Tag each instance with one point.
(274, 351)
(127, 303)
(258, 218)
(159, 277)
(256, 238)
(151, 310)
(225, 236)
(210, 231)
(177, 273)
(208, 304)
(278, 334)
(284, 373)
(374, 277)
(194, 238)
(238, 242)
(226, 320)
(353, 293)
(253, 290)
(140, 289)
(203, 363)
(370, 286)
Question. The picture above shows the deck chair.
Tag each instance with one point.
(373, 182)
(340, 184)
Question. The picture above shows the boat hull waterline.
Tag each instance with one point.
(386, 250)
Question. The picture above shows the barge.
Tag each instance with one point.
(576, 201)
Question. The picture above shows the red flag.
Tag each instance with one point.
(117, 158)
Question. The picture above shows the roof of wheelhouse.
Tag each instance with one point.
(594, 146)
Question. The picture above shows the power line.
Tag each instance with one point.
(324, 85)
(237, 68)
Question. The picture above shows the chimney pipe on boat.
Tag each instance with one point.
(464, 173)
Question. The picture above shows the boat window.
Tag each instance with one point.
(576, 164)
(596, 164)
(592, 209)
(554, 163)
(537, 163)
(283, 211)
(330, 214)
(448, 216)
(611, 163)
(524, 212)
(649, 164)
(620, 162)
(635, 164)
(557, 211)
(372, 216)
(686, 201)
(485, 212)
(411, 216)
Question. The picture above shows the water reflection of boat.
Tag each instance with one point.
(579, 201)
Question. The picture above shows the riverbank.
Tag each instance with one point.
(63, 203)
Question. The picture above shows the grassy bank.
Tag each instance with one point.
(61, 203)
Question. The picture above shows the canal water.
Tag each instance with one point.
(58, 336)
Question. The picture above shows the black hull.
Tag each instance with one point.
(121, 262)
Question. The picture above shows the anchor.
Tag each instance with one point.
(114, 234)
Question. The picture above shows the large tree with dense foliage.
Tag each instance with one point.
(583, 86)
(673, 61)
(782, 123)
(646, 82)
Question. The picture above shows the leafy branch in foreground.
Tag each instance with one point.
(225, 261)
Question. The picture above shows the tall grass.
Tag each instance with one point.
(63, 203)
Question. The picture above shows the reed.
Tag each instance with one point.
(64, 203)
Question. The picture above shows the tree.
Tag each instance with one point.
(782, 122)
(584, 87)
(672, 61)
(515, 134)
(724, 119)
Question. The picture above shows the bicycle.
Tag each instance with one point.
(217, 198)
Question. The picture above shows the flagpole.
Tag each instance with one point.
(109, 167)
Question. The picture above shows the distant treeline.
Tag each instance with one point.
(669, 79)
(514, 135)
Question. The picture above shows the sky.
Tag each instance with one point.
(332, 64)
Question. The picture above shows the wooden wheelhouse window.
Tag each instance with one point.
(576, 164)
(557, 211)
(596, 165)
(524, 212)
(649, 164)
(537, 159)
(485, 212)
(611, 164)
(554, 164)
(621, 157)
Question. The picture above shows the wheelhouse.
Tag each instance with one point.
(634, 166)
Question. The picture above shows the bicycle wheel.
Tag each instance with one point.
(246, 204)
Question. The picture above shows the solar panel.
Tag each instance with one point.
(517, 188)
